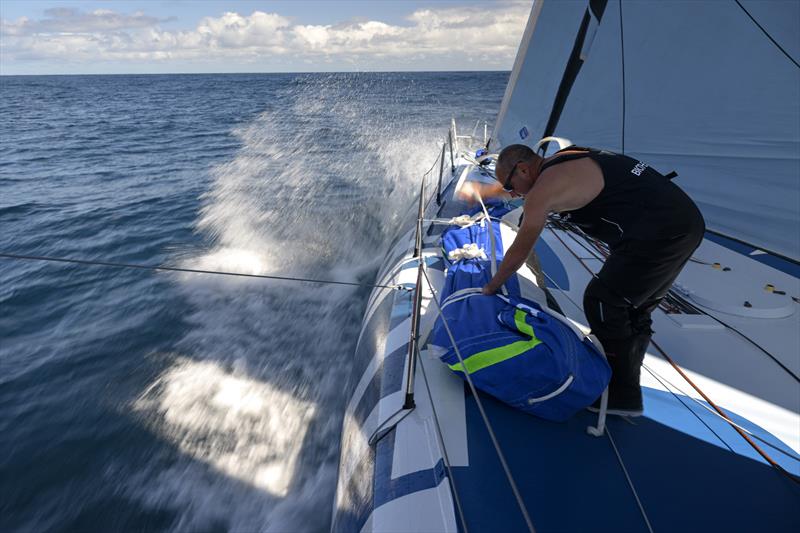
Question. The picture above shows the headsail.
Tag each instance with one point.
(709, 89)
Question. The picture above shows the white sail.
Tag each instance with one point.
(710, 89)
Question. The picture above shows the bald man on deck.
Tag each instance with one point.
(649, 224)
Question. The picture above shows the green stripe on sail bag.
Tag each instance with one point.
(481, 360)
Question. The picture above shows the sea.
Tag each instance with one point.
(139, 400)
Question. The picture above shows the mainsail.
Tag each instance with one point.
(707, 88)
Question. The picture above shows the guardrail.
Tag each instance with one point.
(453, 139)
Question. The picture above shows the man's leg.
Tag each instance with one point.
(618, 304)
(609, 316)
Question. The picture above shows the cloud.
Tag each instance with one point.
(469, 33)
(69, 20)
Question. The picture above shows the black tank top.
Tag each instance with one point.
(636, 201)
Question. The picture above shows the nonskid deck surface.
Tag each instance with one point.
(687, 466)
(680, 467)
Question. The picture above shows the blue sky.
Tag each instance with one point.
(158, 36)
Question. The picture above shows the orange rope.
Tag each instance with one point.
(721, 413)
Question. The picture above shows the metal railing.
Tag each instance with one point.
(453, 144)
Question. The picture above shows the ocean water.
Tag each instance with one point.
(135, 400)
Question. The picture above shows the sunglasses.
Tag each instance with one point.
(507, 187)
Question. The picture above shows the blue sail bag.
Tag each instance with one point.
(512, 348)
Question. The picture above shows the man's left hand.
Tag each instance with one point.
(488, 290)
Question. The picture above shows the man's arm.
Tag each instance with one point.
(469, 189)
(556, 189)
(536, 209)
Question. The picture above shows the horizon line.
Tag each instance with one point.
(256, 72)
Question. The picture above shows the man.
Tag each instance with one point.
(650, 225)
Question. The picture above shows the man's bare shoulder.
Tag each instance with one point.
(570, 185)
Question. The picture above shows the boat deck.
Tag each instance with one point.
(679, 467)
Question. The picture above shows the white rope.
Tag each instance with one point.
(495, 443)
(464, 221)
(468, 251)
(493, 257)
(463, 294)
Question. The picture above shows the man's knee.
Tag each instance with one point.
(641, 321)
(609, 316)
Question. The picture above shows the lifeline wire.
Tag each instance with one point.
(195, 271)
(630, 482)
(439, 436)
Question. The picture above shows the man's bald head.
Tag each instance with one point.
(513, 154)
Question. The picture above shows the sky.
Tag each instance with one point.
(190, 36)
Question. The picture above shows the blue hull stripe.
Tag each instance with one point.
(384, 488)
(778, 263)
(387, 489)
(388, 378)
(552, 265)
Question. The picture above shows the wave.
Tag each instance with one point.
(254, 398)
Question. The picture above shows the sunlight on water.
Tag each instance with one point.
(244, 428)
(233, 260)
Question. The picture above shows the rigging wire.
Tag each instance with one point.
(495, 443)
(608, 429)
(579, 308)
(630, 481)
(735, 426)
(664, 382)
(745, 337)
(213, 272)
(677, 368)
(722, 416)
(760, 27)
(566, 295)
(680, 299)
(195, 271)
